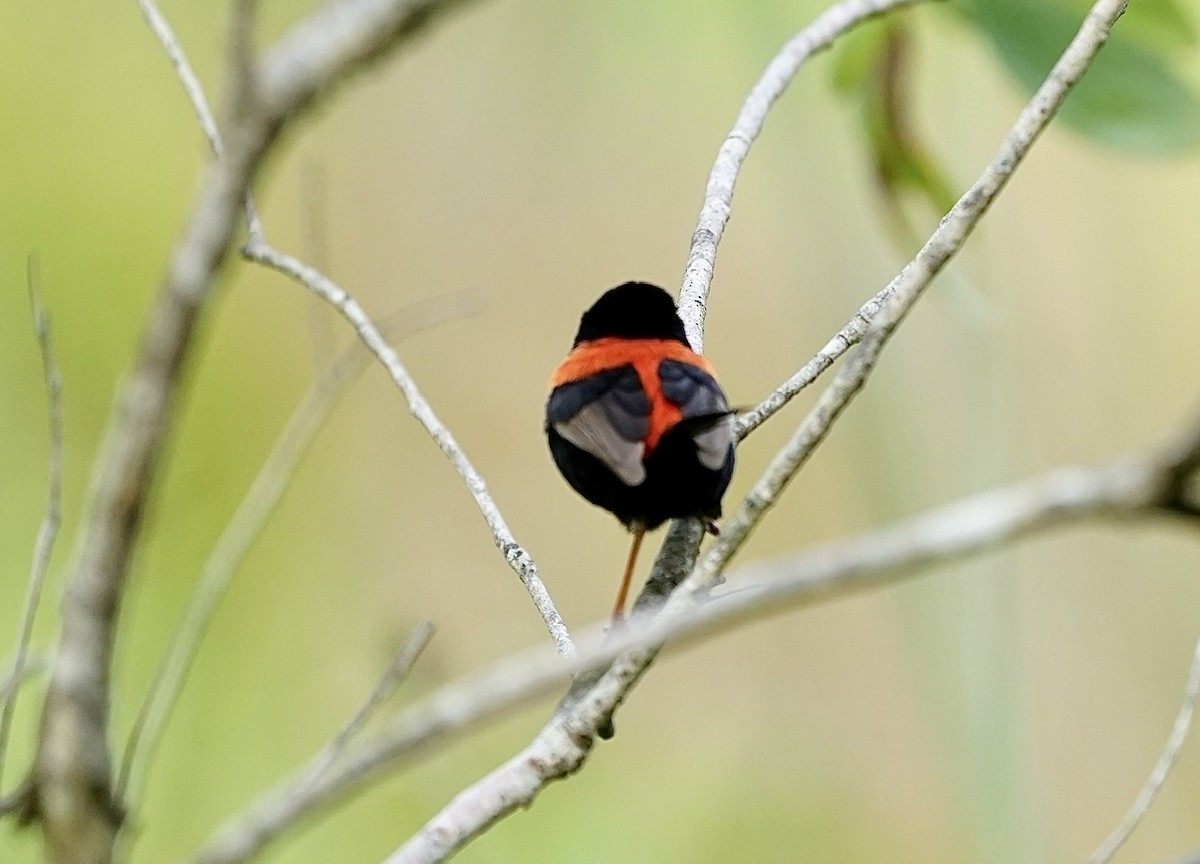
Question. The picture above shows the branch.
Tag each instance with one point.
(259, 251)
(387, 686)
(718, 193)
(961, 220)
(1166, 761)
(73, 795)
(518, 559)
(1121, 489)
(908, 287)
(242, 531)
(566, 740)
(48, 531)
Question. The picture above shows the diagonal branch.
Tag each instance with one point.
(518, 559)
(718, 193)
(72, 783)
(238, 537)
(1158, 776)
(259, 251)
(48, 531)
(1122, 489)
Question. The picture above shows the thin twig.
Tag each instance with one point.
(1166, 761)
(718, 193)
(391, 681)
(48, 531)
(564, 743)
(34, 665)
(908, 287)
(242, 531)
(184, 72)
(259, 251)
(843, 341)
(72, 782)
(194, 90)
(518, 559)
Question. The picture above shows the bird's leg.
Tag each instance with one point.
(639, 531)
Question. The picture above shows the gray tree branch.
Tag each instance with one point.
(71, 787)
(258, 250)
(1162, 768)
(564, 743)
(1125, 489)
(518, 558)
(238, 537)
(718, 193)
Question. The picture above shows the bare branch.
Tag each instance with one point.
(72, 778)
(909, 285)
(336, 39)
(961, 220)
(565, 742)
(395, 676)
(718, 194)
(184, 72)
(48, 532)
(516, 556)
(243, 530)
(258, 250)
(1121, 489)
(1166, 761)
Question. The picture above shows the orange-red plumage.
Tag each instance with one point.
(644, 355)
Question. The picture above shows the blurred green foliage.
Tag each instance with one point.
(1136, 97)
(535, 153)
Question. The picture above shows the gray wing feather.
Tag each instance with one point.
(592, 431)
(702, 402)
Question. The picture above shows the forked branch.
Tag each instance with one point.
(71, 789)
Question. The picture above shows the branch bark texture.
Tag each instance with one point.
(718, 194)
(71, 789)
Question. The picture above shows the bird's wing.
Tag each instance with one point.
(706, 412)
(607, 415)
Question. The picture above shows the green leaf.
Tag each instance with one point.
(1130, 98)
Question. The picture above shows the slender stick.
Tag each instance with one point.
(1158, 776)
(909, 286)
(518, 559)
(259, 251)
(72, 784)
(48, 531)
(391, 681)
(241, 532)
(718, 193)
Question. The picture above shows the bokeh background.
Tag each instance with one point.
(530, 154)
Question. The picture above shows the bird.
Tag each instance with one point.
(636, 421)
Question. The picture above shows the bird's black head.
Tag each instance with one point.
(635, 310)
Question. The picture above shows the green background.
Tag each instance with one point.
(532, 154)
